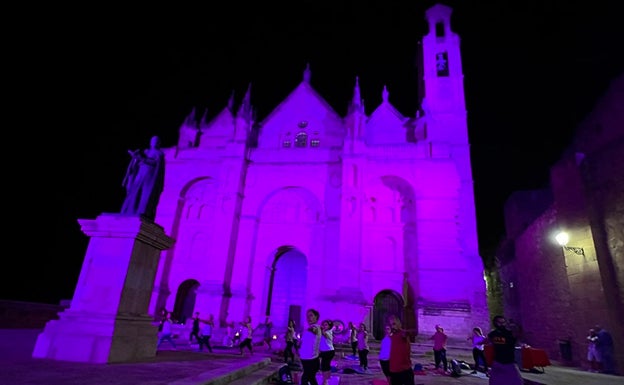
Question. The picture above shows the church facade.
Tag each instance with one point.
(357, 216)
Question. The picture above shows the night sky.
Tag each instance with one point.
(86, 85)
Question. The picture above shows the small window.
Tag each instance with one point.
(315, 143)
(301, 140)
(439, 28)
(442, 66)
(286, 143)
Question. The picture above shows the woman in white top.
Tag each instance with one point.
(246, 336)
(309, 349)
(206, 333)
(326, 349)
(478, 349)
(384, 353)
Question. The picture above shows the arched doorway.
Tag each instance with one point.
(287, 287)
(386, 302)
(185, 300)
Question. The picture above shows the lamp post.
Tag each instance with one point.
(563, 238)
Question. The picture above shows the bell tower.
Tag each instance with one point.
(444, 108)
(443, 78)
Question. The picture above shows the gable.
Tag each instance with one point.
(305, 113)
(217, 131)
(386, 125)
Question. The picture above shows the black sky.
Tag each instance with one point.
(85, 88)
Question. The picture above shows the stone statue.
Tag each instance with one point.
(144, 180)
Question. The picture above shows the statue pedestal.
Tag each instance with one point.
(108, 318)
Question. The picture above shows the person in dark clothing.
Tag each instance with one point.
(604, 346)
(195, 329)
(291, 342)
(504, 369)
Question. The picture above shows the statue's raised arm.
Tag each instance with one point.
(144, 181)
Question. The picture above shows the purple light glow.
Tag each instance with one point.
(357, 216)
(354, 216)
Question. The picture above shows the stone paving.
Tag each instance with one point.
(185, 366)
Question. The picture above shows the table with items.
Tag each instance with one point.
(534, 358)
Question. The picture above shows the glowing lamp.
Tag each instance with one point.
(563, 238)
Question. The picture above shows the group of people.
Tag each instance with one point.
(358, 340)
(315, 348)
(502, 338)
(201, 334)
(600, 350)
(244, 337)
(395, 353)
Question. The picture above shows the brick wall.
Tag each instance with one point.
(557, 294)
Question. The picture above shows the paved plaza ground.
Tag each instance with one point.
(186, 366)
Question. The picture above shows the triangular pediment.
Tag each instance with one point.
(303, 110)
(218, 129)
(386, 125)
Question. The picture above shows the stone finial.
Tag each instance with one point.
(230, 103)
(357, 98)
(307, 74)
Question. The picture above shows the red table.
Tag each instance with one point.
(532, 357)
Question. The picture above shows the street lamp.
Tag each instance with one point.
(563, 238)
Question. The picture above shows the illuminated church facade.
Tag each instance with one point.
(357, 216)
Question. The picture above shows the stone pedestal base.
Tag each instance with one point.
(81, 337)
(108, 317)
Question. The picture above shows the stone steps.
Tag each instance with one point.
(262, 376)
(227, 375)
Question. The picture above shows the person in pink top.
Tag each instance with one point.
(439, 348)
(362, 345)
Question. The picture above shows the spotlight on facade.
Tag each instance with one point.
(563, 238)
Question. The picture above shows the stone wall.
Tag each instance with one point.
(27, 315)
(559, 293)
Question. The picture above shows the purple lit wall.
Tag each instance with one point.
(357, 216)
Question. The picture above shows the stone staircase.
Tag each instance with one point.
(261, 376)
(259, 372)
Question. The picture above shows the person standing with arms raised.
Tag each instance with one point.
(206, 333)
(309, 349)
(439, 348)
(326, 349)
(384, 353)
(401, 369)
(478, 345)
(291, 342)
(353, 341)
(195, 328)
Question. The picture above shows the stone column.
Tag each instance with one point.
(108, 319)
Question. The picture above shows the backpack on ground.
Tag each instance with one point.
(284, 375)
(456, 370)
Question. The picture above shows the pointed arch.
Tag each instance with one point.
(185, 300)
(386, 302)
